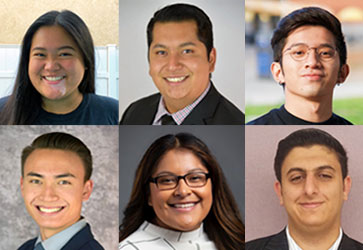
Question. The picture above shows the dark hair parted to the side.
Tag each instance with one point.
(308, 16)
(61, 141)
(223, 224)
(307, 138)
(25, 102)
(184, 12)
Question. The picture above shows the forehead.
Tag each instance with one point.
(171, 31)
(52, 36)
(311, 35)
(179, 161)
(53, 162)
(310, 159)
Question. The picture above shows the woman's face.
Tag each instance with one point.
(56, 66)
(183, 208)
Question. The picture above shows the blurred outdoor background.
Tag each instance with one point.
(262, 92)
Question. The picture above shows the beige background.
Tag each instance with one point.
(264, 215)
(101, 17)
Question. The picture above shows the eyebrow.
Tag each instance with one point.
(57, 176)
(60, 48)
(190, 171)
(316, 169)
(158, 45)
(320, 45)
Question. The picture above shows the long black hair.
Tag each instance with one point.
(24, 104)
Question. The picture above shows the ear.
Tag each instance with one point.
(278, 191)
(347, 184)
(343, 73)
(277, 72)
(87, 190)
(212, 59)
(22, 186)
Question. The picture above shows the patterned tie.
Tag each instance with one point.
(39, 246)
(167, 120)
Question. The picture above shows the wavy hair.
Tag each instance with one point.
(223, 224)
(24, 104)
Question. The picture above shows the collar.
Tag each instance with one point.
(174, 236)
(180, 115)
(294, 246)
(57, 241)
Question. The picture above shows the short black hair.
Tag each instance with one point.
(308, 16)
(184, 12)
(306, 138)
(62, 141)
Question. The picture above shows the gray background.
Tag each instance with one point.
(100, 210)
(225, 142)
(228, 29)
(264, 215)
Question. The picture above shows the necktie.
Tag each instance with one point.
(39, 246)
(167, 120)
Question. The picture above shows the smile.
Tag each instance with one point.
(49, 210)
(176, 79)
(310, 205)
(53, 78)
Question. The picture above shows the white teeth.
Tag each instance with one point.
(53, 78)
(184, 205)
(49, 210)
(176, 79)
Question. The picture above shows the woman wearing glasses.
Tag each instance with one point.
(180, 200)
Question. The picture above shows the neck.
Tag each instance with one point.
(312, 110)
(64, 105)
(310, 239)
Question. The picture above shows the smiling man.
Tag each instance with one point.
(56, 171)
(181, 60)
(309, 61)
(312, 184)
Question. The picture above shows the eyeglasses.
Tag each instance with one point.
(170, 181)
(300, 52)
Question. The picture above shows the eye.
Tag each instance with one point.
(160, 52)
(64, 54)
(34, 181)
(39, 54)
(196, 177)
(165, 180)
(296, 178)
(64, 182)
(188, 51)
(325, 176)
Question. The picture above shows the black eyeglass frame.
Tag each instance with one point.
(155, 180)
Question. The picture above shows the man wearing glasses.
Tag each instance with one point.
(309, 60)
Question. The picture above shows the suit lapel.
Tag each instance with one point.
(278, 242)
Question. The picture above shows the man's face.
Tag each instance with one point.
(53, 189)
(179, 64)
(312, 189)
(312, 78)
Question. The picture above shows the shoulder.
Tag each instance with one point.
(231, 112)
(349, 243)
(108, 102)
(83, 240)
(338, 120)
(3, 100)
(270, 118)
(141, 111)
(28, 245)
(276, 241)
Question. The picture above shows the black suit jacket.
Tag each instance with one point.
(214, 109)
(83, 240)
(279, 242)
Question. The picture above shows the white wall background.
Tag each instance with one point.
(228, 29)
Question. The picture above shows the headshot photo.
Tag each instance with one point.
(55, 79)
(187, 192)
(311, 179)
(309, 59)
(63, 187)
(180, 64)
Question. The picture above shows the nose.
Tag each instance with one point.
(48, 193)
(51, 64)
(312, 59)
(174, 62)
(311, 185)
(182, 189)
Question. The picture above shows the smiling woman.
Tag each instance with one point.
(55, 83)
(180, 199)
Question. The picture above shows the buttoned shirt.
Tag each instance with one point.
(294, 246)
(57, 241)
(180, 115)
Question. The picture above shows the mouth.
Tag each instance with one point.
(186, 206)
(311, 205)
(176, 80)
(53, 79)
(313, 77)
(50, 210)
